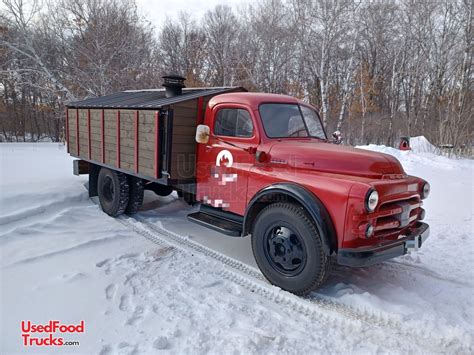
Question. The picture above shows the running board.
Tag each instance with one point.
(222, 225)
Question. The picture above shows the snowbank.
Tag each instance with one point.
(420, 144)
(415, 162)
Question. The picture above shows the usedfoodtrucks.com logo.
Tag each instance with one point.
(46, 334)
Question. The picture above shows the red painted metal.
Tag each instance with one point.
(136, 141)
(157, 146)
(118, 138)
(89, 133)
(220, 180)
(199, 108)
(67, 129)
(77, 132)
(102, 135)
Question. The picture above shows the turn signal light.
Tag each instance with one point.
(369, 230)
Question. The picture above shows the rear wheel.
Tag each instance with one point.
(288, 248)
(113, 191)
(135, 199)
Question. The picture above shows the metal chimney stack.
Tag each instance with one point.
(173, 84)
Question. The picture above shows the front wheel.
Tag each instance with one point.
(288, 248)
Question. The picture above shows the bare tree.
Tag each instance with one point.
(78, 48)
(105, 47)
(346, 86)
(221, 30)
(270, 46)
(182, 48)
(324, 24)
(19, 17)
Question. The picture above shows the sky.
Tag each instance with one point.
(157, 10)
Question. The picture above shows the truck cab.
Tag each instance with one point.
(267, 169)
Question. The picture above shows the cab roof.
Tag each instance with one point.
(253, 99)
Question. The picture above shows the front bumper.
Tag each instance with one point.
(365, 256)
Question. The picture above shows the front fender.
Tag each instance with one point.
(304, 197)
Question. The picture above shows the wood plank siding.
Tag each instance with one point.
(142, 142)
(142, 160)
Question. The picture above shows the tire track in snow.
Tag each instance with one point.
(414, 269)
(316, 307)
(48, 208)
(17, 229)
(62, 251)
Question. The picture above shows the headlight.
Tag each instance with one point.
(425, 191)
(372, 200)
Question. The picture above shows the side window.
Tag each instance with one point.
(233, 122)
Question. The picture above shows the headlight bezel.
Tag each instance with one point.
(425, 190)
(371, 194)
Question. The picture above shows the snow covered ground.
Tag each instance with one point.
(147, 284)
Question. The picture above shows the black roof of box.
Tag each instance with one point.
(148, 99)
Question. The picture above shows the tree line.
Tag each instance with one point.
(377, 70)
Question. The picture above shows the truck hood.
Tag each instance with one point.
(332, 158)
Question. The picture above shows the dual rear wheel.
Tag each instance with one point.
(119, 193)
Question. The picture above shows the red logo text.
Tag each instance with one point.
(47, 334)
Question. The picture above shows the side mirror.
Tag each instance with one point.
(202, 134)
(337, 137)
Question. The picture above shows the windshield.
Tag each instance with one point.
(290, 120)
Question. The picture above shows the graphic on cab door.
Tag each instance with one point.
(224, 160)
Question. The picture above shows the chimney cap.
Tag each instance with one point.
(173, 80)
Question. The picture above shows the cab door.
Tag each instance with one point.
(223, 164)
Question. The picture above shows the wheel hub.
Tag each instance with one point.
(285, 250)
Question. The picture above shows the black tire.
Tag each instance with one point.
(113, 191)
(135, 199)
(288, 248)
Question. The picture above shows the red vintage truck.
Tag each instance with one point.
(260, 165)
